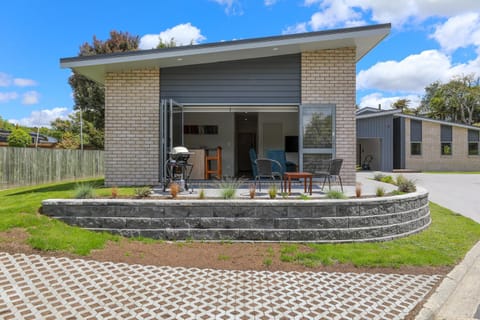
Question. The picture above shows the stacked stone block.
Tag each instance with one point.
(250, 220)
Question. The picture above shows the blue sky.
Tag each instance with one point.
(430, 40)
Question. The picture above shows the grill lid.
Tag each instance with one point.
(177, 150)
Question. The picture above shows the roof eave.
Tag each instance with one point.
(363, 38)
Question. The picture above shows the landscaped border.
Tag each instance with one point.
(322, 220)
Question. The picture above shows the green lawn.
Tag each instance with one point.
(19, 209)
(444, 243)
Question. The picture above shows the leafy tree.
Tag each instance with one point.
(170, 44)
(89, 96)
(403, 104)
(4, 124)
(458, 100)
(69, 130)
(69, 141)
(19, 138)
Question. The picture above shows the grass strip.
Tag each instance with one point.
(444, 243)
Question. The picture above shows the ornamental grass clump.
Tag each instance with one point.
(84, 191)
(378, 176)
(405, 185)
(143, 192)
(380, 192)
(335, 194)
(252, 191)
(272, 191)
(358, 189)
(228, 188)
(174, 190)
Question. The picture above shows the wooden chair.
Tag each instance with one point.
(213, 163)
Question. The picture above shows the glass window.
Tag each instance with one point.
(317, 127)
(446, 148)
(473, 148)
(416, 148)
(446, 140)
(317, 139)
(473, 142)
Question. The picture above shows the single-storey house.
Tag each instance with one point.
(261, 93)
(390, 140)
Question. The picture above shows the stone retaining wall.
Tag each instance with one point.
(350, 220)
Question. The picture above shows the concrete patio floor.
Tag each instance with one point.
(212, 188)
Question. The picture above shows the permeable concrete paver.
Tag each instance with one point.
(37, 287)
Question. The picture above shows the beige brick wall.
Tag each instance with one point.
(132, 127)
(431, 158)
(328, 77)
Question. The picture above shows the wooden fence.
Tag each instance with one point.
(27, 166)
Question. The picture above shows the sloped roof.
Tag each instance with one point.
(363, 38)
(366, 113)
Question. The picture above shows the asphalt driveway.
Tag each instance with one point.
(457, 192)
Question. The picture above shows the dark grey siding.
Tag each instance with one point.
(263, 80)
(382, 128)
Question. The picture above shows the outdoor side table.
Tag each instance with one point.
(288, 176)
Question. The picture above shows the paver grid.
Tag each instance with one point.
(37, 287)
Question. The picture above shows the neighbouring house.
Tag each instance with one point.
(393, 140)
(38, 140)
(263, 93)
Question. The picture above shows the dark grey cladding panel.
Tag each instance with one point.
(379, 128)
(262, 80)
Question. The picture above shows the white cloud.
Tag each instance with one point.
(459, 32)
(298, 28)
(8, 96)
(411, 74)
(374, 99)
(232, 7)
(414, 73)
(269, 3)
(30, 97)
(182, 34)
(22, 82)
(42, 118)
(335, 13)
(5, 80)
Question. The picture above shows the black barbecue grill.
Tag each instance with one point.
(177, 167)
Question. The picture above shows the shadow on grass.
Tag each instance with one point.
(67, 186)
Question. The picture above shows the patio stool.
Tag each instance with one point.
(213, 163)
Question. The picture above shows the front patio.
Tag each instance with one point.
(313, 219)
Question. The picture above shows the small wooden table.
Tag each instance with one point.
(288, 176)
